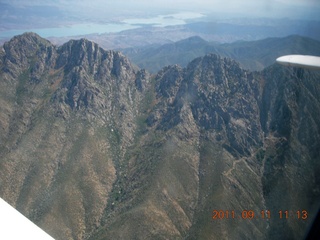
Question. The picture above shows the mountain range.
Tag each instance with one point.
(252, 55)
(93, 147)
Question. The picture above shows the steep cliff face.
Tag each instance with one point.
(93, 148)
(64, 129)
(221, 138)
(290, 115)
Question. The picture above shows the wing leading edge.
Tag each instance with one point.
(303, 61)
(13, 225)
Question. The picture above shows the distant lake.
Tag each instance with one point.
(94, 28)
(165, 20)
(73, 30)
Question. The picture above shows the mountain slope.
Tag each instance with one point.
(61, 124)
(93, 148)
(253, 55)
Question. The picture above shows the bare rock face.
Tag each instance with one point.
(93, 148)
(64, 128)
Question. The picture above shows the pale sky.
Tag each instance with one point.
(252, 8)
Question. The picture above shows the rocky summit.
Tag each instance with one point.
(92, 147)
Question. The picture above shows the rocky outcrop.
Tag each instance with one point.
(92, 147)
(64, 129)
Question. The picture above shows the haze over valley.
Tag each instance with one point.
(174, 123)
(140, 23)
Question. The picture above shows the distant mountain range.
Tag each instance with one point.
(93, 147)
(252, 55)
(211, 29)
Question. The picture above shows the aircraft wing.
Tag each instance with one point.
(13, 225)
(304, 61)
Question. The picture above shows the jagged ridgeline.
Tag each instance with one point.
(91, 147)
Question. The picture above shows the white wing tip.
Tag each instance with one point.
(304, 61)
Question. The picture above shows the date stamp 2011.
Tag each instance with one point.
(263, 214)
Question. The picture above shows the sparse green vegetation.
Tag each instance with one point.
(260, 155)
(22, 87)
(253, 55)
(99, 171)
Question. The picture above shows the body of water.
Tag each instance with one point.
(73, 30)
(93, 28)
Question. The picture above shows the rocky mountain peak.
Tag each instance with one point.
(27, 49)
(93, 59)
(78, 52)
(220, 96)
(93, 148)
(196, 40)
(30, 39)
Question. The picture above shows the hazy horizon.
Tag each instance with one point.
(296, 9)
(62, 18)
